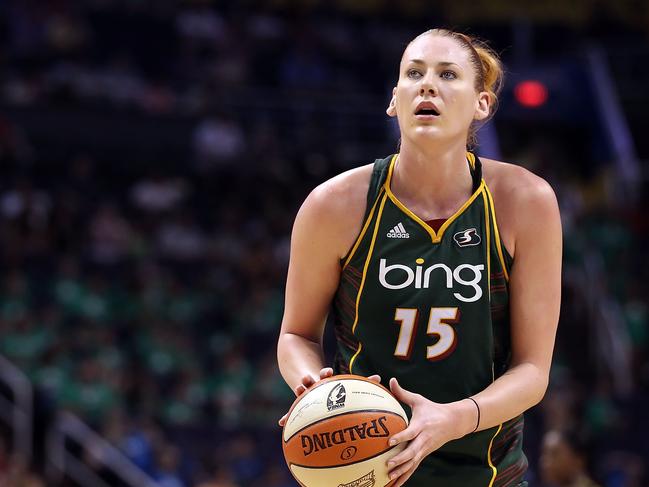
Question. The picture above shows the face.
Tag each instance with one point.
(559, 464)
(435, 98)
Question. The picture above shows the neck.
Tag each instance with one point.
(438, 179)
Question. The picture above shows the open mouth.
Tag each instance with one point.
(427, 111)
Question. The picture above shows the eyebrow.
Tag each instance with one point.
(441, 63)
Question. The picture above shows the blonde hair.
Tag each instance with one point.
(487, 67)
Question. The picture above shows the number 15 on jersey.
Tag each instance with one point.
(439, 324)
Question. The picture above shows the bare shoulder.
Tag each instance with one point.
(336, 207)
(513, 182)
(520, 199)
(349, 187)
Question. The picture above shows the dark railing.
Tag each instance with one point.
(16, 408)
(69, 441)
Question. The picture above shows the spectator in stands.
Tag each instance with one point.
(18, 474)
(168, 472)
(245, 459)
(221, 476)
(218, 142)
(181, 238)
(91, 393)
(4, 456)
(275, 476)
(564, 461)
(26, 207)
(157, 193)
(110, 235)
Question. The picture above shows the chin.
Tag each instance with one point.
(428, 129)
(427, 134)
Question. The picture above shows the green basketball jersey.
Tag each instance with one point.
(432, 309)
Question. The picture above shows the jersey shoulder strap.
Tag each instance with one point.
(379, 175)
(475, 166)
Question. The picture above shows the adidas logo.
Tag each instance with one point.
(398, 231)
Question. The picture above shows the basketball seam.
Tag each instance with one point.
(344, 464)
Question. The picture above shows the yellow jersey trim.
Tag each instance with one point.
(436, 237)
(497, 235)
(488, 235)
(471, 157)
(493, 467)
(351, 362)
(367, 260)
(362, 234)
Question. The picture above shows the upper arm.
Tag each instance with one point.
(324, 229)
(535, 279)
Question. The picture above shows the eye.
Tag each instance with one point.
(413, 74)
(448, 74)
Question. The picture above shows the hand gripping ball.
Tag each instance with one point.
(336, 433)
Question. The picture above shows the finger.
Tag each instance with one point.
(413, 450)
(375, 378)
(300, 389)
(402, 394)
(401, 458)
(308, 380)
(408, 434)
(326, 372)
(405, 476)
(399, 472)
(282, 420)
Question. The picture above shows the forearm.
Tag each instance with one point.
(297, 357)
(520, 388)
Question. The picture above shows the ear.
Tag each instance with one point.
(392, 107)
(483, 105)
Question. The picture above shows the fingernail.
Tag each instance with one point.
(393, 442)
(393, 476)
(390, 464)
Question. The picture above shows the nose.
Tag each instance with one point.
(427, 85)
(429, 89)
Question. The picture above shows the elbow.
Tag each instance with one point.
(288, 344)
(540, 386)
(281, 348)
(533, 383)
(283, 353)
(280, 339)
(284, 341)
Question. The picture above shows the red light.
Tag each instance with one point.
(531, 94)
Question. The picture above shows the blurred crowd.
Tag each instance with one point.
(161, 300)
(143, 289)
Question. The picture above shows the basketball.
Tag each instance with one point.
(336, 433)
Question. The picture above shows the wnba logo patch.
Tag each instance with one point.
(467, 238)
(366, 480)
(336, 398)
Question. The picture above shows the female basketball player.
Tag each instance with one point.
(426, 287)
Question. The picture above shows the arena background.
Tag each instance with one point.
(153, 154)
